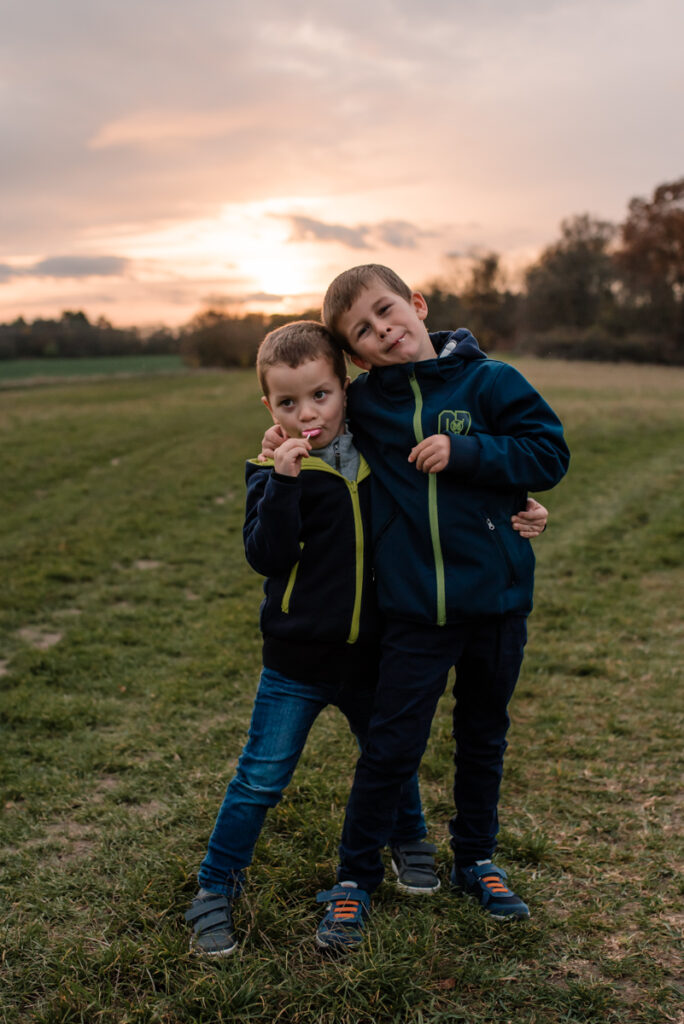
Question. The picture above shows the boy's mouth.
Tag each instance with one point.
(314, 432)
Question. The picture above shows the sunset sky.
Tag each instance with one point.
(162, 156)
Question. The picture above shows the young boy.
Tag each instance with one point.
(454, 441)
(306, 530)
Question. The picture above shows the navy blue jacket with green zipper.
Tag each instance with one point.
(308, 536)
(443, 546)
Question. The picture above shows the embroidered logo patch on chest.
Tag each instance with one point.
(454, 421)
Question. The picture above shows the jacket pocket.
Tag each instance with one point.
(496, 532)
(380, 536)
(287, 593)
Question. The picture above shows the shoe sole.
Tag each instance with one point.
(414, 890)
(198, 951)
(331, 947)
(508, 917)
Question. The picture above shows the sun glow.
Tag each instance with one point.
(246, 250)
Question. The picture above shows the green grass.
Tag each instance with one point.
(129, 658)
(13, 370)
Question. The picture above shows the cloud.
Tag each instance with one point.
(264, 297)
(401, 234)
(240, 300)
(149, 128)
(306, 229)
(68, 266)
(398, 234)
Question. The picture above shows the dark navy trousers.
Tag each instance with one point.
(416, 659)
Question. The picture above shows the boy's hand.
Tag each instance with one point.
(271, 440)
(532, 521)
(288, 457)
(432, 454)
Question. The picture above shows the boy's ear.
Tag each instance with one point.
(266, 402)
(358, 361)
(420, 305)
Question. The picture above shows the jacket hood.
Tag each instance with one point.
(461, 343)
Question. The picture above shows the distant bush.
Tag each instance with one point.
(597, 344)
(213, 338)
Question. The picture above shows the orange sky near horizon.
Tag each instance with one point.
(158, 160)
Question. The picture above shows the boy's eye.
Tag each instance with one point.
(361, 331)
(286, 403)
(320, 394)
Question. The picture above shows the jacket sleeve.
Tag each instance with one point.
(272, 520)
(525, 449)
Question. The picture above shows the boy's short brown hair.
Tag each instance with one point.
(297, 343)
(347, 287)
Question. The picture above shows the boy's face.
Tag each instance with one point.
(307, 400)
(383, 328)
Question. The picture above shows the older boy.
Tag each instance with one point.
(454, 441)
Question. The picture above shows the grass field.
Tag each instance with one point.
(13, 371)
(129, 658)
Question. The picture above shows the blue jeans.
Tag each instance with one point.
(414, 665)
(284, 711)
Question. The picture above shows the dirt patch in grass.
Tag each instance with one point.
(577, 969)
(107, 784)
(72, 840)
(147, 563)
(75, 840)
(675, 921)
(622, 944)
(629, 992)
(150, 811)
(4, 667)
(38, 637)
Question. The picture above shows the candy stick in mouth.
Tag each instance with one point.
(311, 433)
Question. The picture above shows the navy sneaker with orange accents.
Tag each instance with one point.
(341, 930)
(487, 883)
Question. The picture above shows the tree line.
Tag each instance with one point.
(601, 291)
(75, 336)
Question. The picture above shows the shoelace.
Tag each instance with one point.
(345, 910)
(494, 884)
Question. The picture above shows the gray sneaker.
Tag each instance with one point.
(212, 922)
(414, 866)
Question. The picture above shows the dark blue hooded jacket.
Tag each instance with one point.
(443, 546)
(309, 536)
